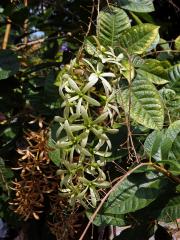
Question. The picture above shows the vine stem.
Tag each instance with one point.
(107, 195)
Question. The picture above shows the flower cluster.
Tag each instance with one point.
(88, 90)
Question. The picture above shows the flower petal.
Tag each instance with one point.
(100, 67)
(107, 86)
(92, 101)
(85, 115)
(89, 85)
(89, 63)
(68, 129)
(62, 144)
(101, 118)
(103, 154)
(73, 99)
(59, 131)
(93, 77)
(108, 74)
(76, 127)
(74, 86)
(78, 107)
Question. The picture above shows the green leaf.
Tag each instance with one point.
(152, 77)
(103, 219)
(174, 76)
(90, 46)
(5, 173)
(8, 136)
(175, 150)
(164, 44)
(145, 16)
(177, 43)
(171, 211)
(174, 73)
(139, 39)
(173, 166)
(146, 105)
(154, 71)
(152, 144)
(110, 23)
(9, 64)
(170, 136)
(129, 72)
(54, 153)
(137, 6)
(134, 193)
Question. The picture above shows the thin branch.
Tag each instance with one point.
(7, 33)
(88, 30)
(174, 5)
(34, 42)
(25, 24)
(166, 173)
(24, 45)
(161, 51)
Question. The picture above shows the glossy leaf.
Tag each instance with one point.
(152, 144)
(146, 105)
(170, 136)
(90, 45)
(174, 73)
(152, 77)
(172, 165)
(177, 43)
(103, 219)
(134, 193)
(171, 211)
(139, 38)
(137, 6)
(154, 71)
(174, 76)
(110, 23)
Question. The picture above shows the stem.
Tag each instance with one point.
(25, 24)
(166, 173)
(7, 33)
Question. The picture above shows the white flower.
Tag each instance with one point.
(75, 96)
(99, 74)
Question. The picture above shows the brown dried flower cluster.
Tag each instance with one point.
(38, 181)
(37, 176)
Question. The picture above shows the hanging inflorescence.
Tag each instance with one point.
(88, 89)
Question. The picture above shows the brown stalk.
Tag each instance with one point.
(7, 33)
(25, 24)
